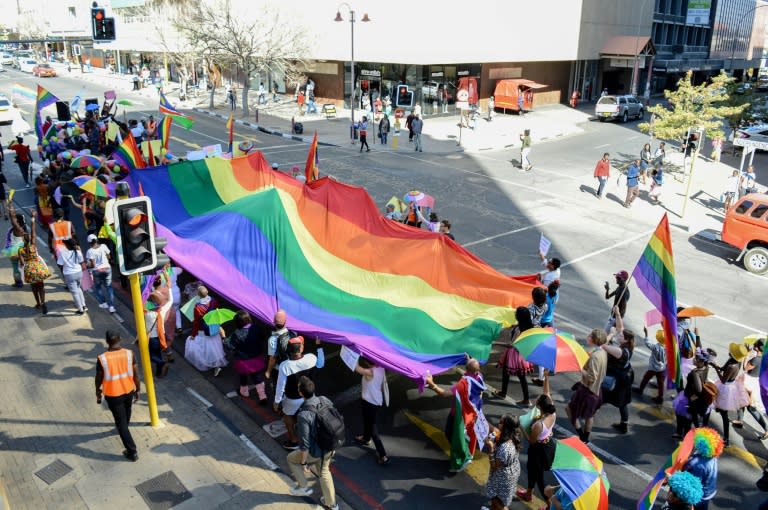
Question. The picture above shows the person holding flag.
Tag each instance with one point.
(467, 412)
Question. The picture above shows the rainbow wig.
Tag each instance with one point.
(707, 442)
(686, 487)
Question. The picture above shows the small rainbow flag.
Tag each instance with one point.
(166, 107)
(655, 276)
(128, 154)
(311, 169)
(44, 99)
(164, 131)
(675, 462)
(20, 91)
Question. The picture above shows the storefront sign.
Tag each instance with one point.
(698, 12)
(463, 73)
(437, 74)
(628, 62)
(370, 72)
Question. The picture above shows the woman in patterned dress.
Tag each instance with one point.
(35, 269)
(503, 446)
(14, 240)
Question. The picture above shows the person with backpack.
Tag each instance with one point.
(320, 430)
(694, 404)
(277, 345)
(287, 396)
(657, 365)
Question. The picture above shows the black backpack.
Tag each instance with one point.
(331, 434)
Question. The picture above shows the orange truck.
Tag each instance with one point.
(746, 228)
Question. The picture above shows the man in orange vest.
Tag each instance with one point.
(59, 231)
(117, 377)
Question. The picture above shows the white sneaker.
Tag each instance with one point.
(112, 309)
(324, 506)
(216, 371)
(103, 306)
(300, 491)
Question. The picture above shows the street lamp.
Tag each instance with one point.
(636, 67)
(738, 25)
(365, 19)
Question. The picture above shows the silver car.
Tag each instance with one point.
(619, 108)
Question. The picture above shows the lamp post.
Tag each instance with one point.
(365, 19)
(636, 66)
(738, 26)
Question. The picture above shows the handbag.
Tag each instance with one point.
(609, 383)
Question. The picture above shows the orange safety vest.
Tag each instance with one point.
(61, 230)
(118, 372)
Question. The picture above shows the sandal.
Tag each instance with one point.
(361, 441)
(523, 495)
(763, 437)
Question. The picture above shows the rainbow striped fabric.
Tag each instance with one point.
(128, 154)
(43, 99)
(675, 462)
(166, 107)
(164, 131)
(655, 276)
(409, 299)
(311, 168)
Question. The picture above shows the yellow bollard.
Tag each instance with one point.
(141, 330)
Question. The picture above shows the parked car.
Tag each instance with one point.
(432, 90)
(6, 110)
(6, 59)
(758, 133)
(21, 55)
(27, 65)
(746, 228)
(619, 108)
(43, 70)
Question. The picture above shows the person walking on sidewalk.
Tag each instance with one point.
(364, 134)
(409, 125)
(14, 241)
(152, 321)
(262, 93)
(23, 158)
(98, 261)
(232, 99)
(417, 125)
(117, 380)
(491, 108)
(525, 150)
(602, 173)
(375, 395)
(633, 183)
(384, 129)
(309, 452)
(35, 269)
(731, 190)
(71, 261)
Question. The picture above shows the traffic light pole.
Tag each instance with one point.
(146, 363)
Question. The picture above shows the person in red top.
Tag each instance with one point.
(23, 158)
(47, 124)
(602, 172)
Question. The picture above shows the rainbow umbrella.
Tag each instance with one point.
(81, 179)
(85, 161)
(581, 475)
(551, 348)
(95, 187)
(419, 198)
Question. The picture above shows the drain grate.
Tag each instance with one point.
(50, 321)
(53, 471)
(163, 491)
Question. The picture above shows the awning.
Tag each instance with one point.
(530, 84)
(627, 46)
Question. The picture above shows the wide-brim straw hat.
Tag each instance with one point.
(737, 351)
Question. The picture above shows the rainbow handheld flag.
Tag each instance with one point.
(655, 276)
(311, 169)
(164, 131)
(675, 462)
(128, 154)
(324, 254)
(166, 107)
(231, 130)
(44, 99)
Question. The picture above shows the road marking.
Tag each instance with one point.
(479, 468)
(199, 397)
(260, 454)
(608, 248)
(485, 239)
(729, 321)
(601, 146)
(184, 142)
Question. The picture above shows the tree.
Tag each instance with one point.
(227, 32)
(693, 106)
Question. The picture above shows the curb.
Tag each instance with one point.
(263, 129)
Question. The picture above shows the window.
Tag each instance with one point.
(744, 207)
(759, 211)
(622, 100)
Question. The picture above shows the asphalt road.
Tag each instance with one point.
(499, 213)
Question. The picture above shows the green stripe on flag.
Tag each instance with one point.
(182, 121)
(460, 455)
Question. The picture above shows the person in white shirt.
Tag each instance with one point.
(552, 272)
(70, 258)
(731, 189)
(98, 261)
(375, 394)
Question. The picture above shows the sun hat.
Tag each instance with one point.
(737, 351)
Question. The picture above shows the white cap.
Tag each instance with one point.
(92, 238)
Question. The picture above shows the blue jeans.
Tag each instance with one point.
(156, 354)
(102, 284)
(601, 187)
(311, 107)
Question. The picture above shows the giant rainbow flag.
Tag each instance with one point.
(655, 276)
(408, 299)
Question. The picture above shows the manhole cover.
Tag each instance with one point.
(53, 471)
(49, 322)
(163, 491)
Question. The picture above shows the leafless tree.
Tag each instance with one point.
(229, 33)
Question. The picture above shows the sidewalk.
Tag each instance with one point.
(61, 449)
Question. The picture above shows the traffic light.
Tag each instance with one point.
(137, 246)
(97, 23)
(404, 96)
